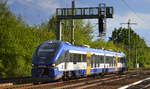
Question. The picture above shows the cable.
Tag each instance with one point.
(133, 11)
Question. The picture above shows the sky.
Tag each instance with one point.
(38, 11)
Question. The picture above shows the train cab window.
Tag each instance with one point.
(45, 52)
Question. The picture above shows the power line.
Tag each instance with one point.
(129, 37)
(132, 10)
(129, 24)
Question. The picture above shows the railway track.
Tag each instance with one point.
(71, 84)
(142, 84)
(52, 84)
(17, 86)
(111, 81)
(16, 80)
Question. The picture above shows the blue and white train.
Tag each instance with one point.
(53, 60)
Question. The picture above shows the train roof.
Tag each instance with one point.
(73, 48)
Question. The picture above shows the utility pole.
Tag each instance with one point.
(129, 23)
(73, 12)
(129, 35)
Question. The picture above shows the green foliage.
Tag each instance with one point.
(82, 31)
(17, 42)
(133, 45)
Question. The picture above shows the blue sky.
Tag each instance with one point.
(37, 11)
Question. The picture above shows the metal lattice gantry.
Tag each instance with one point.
(84, 13)
(101, 13)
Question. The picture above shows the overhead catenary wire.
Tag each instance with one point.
(132, 10)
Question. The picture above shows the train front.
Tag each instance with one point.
(43, 67)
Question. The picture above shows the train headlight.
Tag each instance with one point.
(32, 64)
(53, 65)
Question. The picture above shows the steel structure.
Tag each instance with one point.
(101, 13)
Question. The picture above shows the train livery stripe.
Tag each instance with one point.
(88, 70)
(78, 52)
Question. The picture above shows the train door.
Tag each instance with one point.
(66, 59)
(88, 69)
(116, 63)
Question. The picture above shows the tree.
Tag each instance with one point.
(133, 45)
(17, 42)
(82, 31)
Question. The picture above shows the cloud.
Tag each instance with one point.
(43, 5)
(142, 20)
(9, 2)
(142, 28)
(47, 4)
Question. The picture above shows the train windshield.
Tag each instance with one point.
(46, 51)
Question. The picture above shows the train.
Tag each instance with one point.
(54, 60)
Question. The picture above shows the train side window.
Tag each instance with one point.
(98, 61)
(106, 59)
(119, 60)
(66, 57)
(102, 59)
(61, 58)
(71, 57)
(74, 58)
(92, 58)
(95, 61)
(99, 58)
(84, 57)
(109, 60)
(114, 61)
(122, 59)
(81, 57)
(78, 56)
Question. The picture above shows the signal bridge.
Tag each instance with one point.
(84, 13)
(101, 13)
